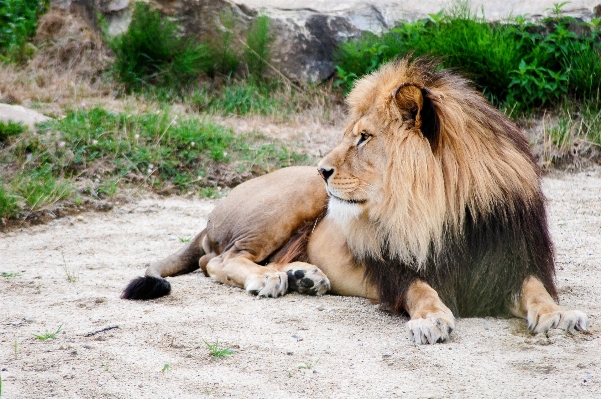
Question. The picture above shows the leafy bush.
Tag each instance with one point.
(516, 62)
(18, 24)
(152, 52)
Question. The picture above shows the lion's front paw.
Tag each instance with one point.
(269, 284)
(307, 279)
(568, 320)
(430, 330)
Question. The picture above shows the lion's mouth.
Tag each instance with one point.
(347, 201)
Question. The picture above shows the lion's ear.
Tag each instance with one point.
(418, 104)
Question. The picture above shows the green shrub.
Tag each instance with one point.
(18, 24)
(258, 40)
(515, 62)
(10, 128)
(152, 52)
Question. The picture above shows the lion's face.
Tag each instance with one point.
(356, 167)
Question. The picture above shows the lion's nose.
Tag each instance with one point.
(325, 173)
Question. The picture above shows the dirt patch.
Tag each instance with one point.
(291, 347)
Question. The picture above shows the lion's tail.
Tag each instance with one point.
(153, 284)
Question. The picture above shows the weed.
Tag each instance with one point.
(165, 368)
(309, 365)
(218, 352)
(152, 52)
(258, 41)
(185, 239)
(72, 274)
(16, 349)
(47, 335)
(9, 275)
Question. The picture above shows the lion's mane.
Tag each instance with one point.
(463, 209)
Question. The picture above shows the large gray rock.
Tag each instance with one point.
(307, 33)
(17, 113)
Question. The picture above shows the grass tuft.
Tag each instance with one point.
(47, 335)
(217, 352)
(71, 272)
(9, 129)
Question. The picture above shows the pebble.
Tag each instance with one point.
(87, 346)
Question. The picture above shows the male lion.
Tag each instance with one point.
(434, 207)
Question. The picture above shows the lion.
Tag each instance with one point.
(432, 205)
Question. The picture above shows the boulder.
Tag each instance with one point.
(17, 113)
(306, 34)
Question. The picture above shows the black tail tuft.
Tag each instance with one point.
(146, 288)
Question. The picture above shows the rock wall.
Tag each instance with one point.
(305, 38)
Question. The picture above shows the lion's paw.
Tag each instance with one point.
(307, 280)
(269, 284)
(568, 320)
(430, 330)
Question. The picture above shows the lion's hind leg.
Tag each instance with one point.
(542, 313)
(431, 320)
(305, 278)
(240, 270)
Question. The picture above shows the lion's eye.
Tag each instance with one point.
(364, 137)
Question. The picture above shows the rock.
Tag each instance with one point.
(17, 113)
(307, 33)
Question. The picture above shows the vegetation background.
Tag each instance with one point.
(156, 109)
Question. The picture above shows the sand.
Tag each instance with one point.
(290, 347)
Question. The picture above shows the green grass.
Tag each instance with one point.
(9, 206)
(217, 352)
(93, 153)
(576, 125)
(165, 368)
(9, 129)
(48, 335)
(10, 275)
(152, 52)
(515, 62)
(71, 272)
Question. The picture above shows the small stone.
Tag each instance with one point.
(290, 353)
(385, 355)
(87, 346)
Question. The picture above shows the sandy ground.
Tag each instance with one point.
(290, 347)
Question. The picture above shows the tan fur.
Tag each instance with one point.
(473, 170)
